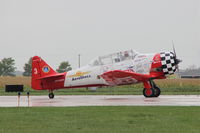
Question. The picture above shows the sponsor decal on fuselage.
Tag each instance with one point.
(80, 75)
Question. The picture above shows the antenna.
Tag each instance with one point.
(79, 60)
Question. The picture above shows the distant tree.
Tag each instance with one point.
(64, 67)
(191, 68)
(7, 67)
(28, 68)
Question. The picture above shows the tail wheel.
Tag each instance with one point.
(51, 95)
(157, 92)
(148, 92)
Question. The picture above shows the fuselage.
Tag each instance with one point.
(90, 75)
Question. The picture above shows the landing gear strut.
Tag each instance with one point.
(51, 95)
(151, 90)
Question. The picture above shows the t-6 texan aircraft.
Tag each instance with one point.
(121, 68)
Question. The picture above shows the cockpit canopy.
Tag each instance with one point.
(114, 58)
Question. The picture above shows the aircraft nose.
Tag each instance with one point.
(169, 62)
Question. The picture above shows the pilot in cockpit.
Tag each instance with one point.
(126, 54)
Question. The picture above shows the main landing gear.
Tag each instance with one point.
(51, 95)
(151, 90)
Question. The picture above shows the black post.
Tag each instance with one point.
(28, 95)
(19, 98)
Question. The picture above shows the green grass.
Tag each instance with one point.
(100, 120)
(118, 90)
(167, 86)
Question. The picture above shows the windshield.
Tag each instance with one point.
(114, 58)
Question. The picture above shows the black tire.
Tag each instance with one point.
(157, 92)
(148, 92)
(51, 95)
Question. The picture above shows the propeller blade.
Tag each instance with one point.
(174, 50)
(177, 61)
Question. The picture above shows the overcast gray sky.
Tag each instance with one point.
(58, 30)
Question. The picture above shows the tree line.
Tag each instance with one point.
(7, 67)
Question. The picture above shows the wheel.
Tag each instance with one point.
(157, 92)
(51, 95)
(148, 92)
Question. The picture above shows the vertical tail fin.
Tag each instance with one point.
(39, 69)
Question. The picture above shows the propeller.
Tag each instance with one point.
(177, 61)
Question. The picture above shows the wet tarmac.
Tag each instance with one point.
(99, 100)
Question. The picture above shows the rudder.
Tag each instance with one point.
(39, 69)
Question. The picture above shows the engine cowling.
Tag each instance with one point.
(164, 63)
(168, 61)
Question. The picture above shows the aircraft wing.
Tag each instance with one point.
(119, 77)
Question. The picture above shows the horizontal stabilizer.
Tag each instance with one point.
(51, 76)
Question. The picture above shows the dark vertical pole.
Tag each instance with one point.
(19, 98)
(79, 61)
(28, 96)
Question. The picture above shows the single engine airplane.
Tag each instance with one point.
(121, 68)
